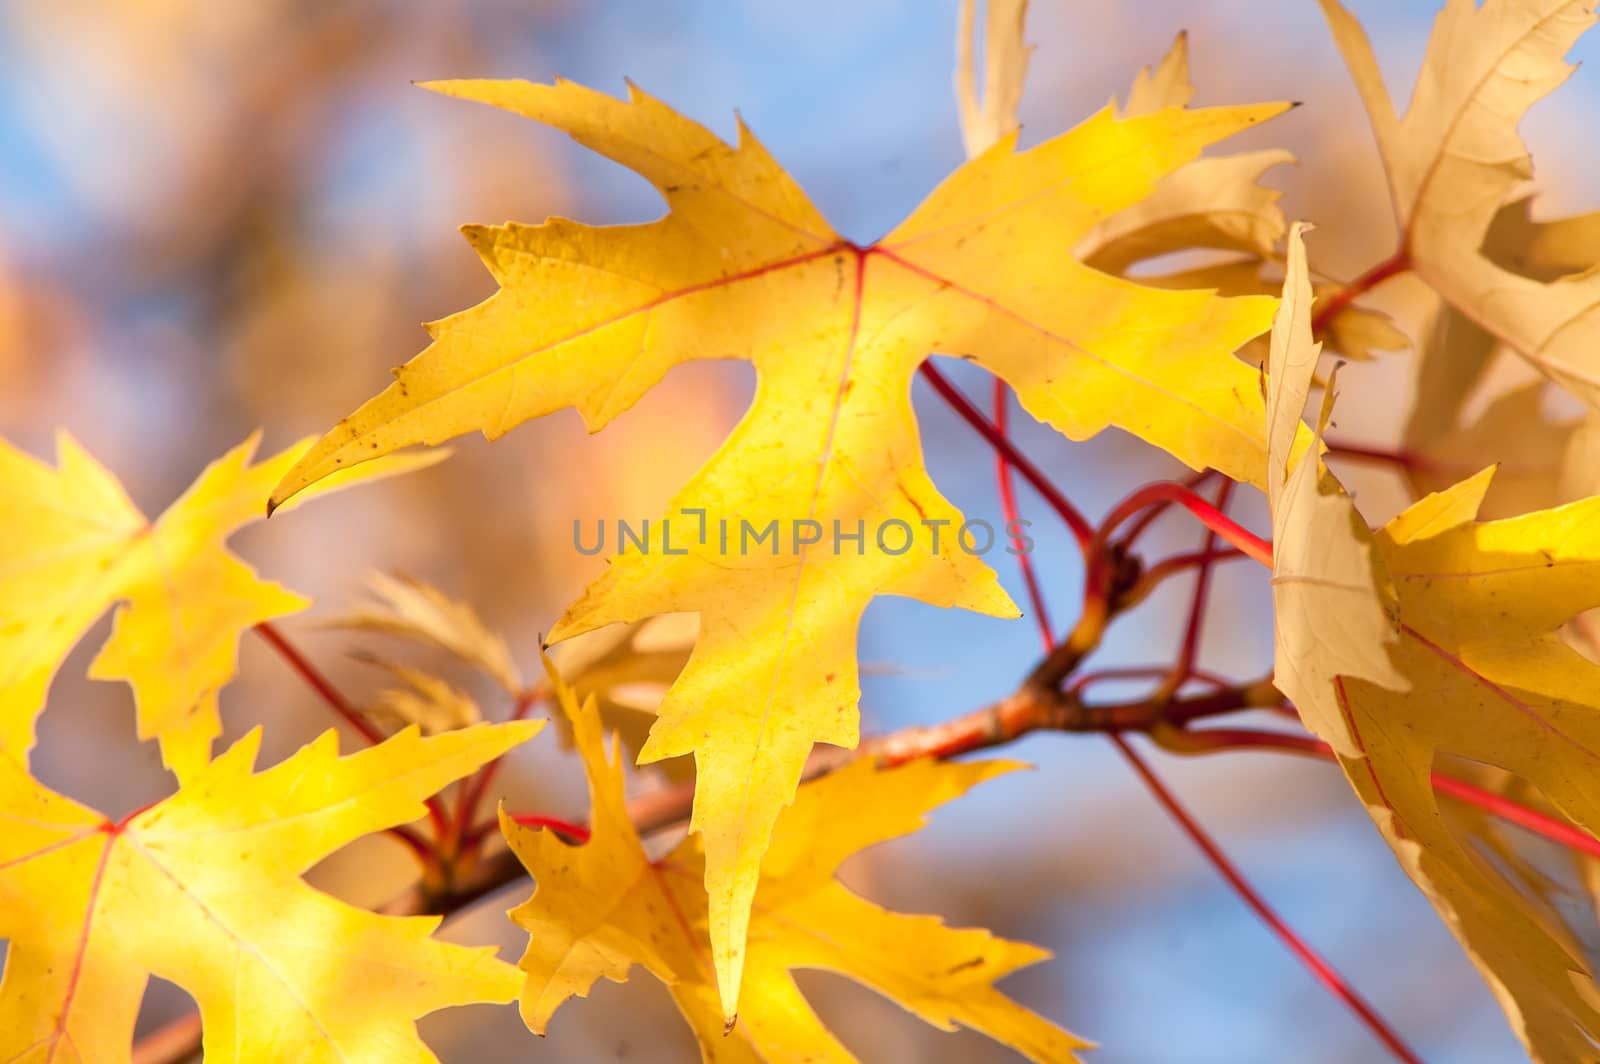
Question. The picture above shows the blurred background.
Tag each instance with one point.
(215, 217)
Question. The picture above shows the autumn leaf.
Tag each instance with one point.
(413, 609)
(76, 545)
(627, 667)
(603, 907)
(991, 115)
(430, 702)
(1542, 460)
(1330, 610)
(1206, 203)
(1455, 159)
(1219, 204)
(745, 267)
(1480, 609)
(1466, 616)
(204, 890)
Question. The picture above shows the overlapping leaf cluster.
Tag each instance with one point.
(744, 267)
(1437, 638)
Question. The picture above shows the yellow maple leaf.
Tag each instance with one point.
(603, 907)
(76, 544)
(203, 889)
(1455, 159)
(1480, 606)
(1436, 639)
(745, 267)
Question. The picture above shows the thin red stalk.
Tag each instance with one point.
(1008, 505)
(339, 704)
(473, 790)
(318, 682)
(1552, 828)
(1557, 831)
(415, 843)
(1403, 458)
(1138, 525)
(1243, 539)
(1326, 311)
(1169, 801)
(577, 832)
(1081, 530)
(1325, 972)
(1202, 588)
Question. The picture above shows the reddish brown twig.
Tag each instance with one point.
(1402, 458)
(1038, 700)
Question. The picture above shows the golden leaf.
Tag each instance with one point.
(204, 889)
(76, 545)
(603, 907)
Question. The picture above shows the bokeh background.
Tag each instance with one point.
(219, 216)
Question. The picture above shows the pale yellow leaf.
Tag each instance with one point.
(988, 117)
(426, 700)
(1456, 158)
(416, 610)
(1327, 594)
(628, 669)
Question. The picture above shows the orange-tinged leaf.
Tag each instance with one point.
(204, 890)
(1456, 158)
(603, 907)
(745, 267)
(78, 545)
